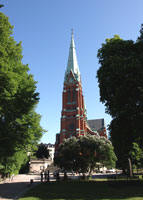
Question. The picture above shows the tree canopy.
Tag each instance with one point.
(42, 151)
(83, 153)
(19, 123)
(120, 79)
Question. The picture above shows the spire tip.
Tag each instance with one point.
(72, 32)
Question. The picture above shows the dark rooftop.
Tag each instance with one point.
(96, 124)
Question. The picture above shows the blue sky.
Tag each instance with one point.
(44, 27)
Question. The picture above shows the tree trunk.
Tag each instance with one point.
(65, 176)
(130, 167)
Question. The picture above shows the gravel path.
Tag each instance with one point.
(12, 189)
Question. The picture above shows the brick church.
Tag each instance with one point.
(73, 116)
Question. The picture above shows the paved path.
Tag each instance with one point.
(15, 188)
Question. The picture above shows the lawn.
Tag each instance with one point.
(87, 190)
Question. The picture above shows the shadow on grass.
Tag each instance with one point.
(12, 190)
(86, 190)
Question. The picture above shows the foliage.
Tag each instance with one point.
(121, 136)
(24, 169)
(136, 154)
(1, 5)
(83, 153)
(19, 124)
(120, 78)
(42, 151)
(12, 164)
(140, 38)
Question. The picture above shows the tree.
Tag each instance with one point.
(19, 123)
(136, 155)
(12, 164)
(1, 5)
(82, 154)
(120, 78)
(140, 38)
(67, 152)
(42, 151)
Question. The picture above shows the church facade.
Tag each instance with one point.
(73, 116)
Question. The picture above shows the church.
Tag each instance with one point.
(73, 116)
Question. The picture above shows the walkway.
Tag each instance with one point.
(15, 188)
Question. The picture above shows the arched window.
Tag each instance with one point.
(71, 126)
(69, 96)
(73, 95)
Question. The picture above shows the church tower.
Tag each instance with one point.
(73, 115)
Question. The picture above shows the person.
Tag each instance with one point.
(57, 176)
(46, 175)
(42, 176)
(65, 175)
(12, 176)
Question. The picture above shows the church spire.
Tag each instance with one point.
(72, 65)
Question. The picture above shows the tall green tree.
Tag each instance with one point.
(19, 123)
(83, 153)
(120, 78)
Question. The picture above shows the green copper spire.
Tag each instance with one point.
(72, 61)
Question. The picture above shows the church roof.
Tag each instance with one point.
(96, 124)
(72, 65)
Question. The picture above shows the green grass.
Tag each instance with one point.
(87, 190)
(138, 171)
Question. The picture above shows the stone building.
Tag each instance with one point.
(38, 165)
(51, 148)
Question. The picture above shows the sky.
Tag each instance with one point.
(44, 27)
